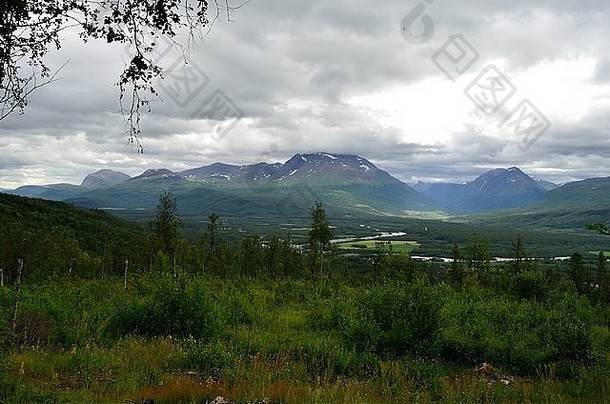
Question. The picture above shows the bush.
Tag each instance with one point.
(173, 308)
(398, 319)
(530, 285)
(520, 335)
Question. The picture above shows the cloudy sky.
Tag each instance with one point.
(440, 91)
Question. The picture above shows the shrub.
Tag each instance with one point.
(520, 335)
(209, 360)
(530, 285)
(173, 308)
(398, 319)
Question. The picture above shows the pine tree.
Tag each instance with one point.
(602, 279)
(457, 273)
(320, 234)
(165, 227)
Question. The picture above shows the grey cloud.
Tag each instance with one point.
(290, 67)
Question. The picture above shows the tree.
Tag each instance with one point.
(211, 235)
(521, 263)
(602, 278)
(320, 234)
(30, 28)
(212, 243)
(456, 273)
(577, 271)
(165, 227)
(380, 252)
(250, 254)
(478, 253)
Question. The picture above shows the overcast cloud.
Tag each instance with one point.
(338, 76)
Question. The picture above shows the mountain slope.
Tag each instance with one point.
(104, 178)
(568, 208)
(494, 190)
(52, 192)
(325, 168)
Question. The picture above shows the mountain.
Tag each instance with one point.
(325, 168)
(494, 190)
(104, 178)
(154, 174)
(569, 207)
(212, 173)
(346, 184)
(592, 192)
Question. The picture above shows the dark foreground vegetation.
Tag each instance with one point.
(98, 310)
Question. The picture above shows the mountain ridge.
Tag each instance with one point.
(347, 183)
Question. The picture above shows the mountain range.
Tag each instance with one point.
(348, 185)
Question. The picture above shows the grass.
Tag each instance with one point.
(402, 246)
(280, 341)
(596, 253)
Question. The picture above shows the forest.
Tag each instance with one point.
(99, 309)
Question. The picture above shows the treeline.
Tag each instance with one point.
(54, 239)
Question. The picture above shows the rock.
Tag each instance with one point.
(191, 375)
(487, 370)
(221, 400)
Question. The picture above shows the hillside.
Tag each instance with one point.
(569, 207)
(495, 190)
(40, 231)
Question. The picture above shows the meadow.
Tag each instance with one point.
(103, 313)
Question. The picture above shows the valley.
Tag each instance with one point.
(323, 275)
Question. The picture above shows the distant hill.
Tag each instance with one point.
(546, 184)
(592, 192)
(495, 190)
(52, 192)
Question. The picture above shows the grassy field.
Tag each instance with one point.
(297, 341)
(370, 245)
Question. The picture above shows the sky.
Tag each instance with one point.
(431, 91)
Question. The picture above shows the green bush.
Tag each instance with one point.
(398, 319)
(530, 285)
(520, 335)
(172, 308)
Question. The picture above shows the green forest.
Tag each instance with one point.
(98, 309)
